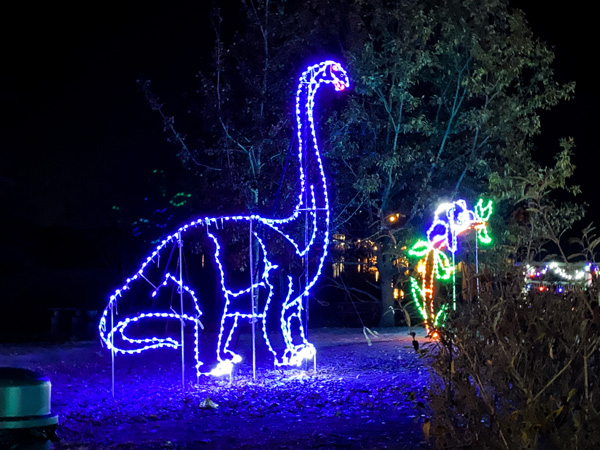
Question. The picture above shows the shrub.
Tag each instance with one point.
(516, 370)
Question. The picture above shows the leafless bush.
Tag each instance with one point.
(519, 371)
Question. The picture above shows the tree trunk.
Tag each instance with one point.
(386, 279)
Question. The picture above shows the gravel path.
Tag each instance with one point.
(361, 397)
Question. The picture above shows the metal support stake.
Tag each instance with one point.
(253, 303)
(180, 245)
(306, 265)
(112, 351)
(453, 282)
(305, 363)
(197, 349)
(477, 263)
(306, 292)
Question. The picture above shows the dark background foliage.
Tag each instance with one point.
(83, 152)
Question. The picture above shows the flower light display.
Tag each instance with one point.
(434, 264)
(450, 221)
(276, 286)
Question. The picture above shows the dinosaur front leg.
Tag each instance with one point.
(282, 323)
(297, 346)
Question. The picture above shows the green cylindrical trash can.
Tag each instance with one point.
(24, 399)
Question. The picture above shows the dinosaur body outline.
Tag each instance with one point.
(315, 205)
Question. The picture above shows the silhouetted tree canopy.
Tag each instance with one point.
(445, 103)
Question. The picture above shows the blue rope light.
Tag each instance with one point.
(316, 206)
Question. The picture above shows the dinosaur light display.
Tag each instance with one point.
(276, 287)
(450, 221)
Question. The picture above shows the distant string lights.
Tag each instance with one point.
(557, 276)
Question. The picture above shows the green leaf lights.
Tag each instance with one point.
(482, 214)
(434, 264)
(179, 199)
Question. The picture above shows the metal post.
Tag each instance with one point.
(180, 244)
(112, 350)
(253, 303)
(453, 282)
(305, 363)
(306, 293)
(477, 263)
(306, 266)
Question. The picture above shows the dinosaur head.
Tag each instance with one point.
(335, 73)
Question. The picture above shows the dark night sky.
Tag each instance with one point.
(76, 129)
(74, 122)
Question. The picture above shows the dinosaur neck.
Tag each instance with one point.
(312, 176)
(313, 193)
